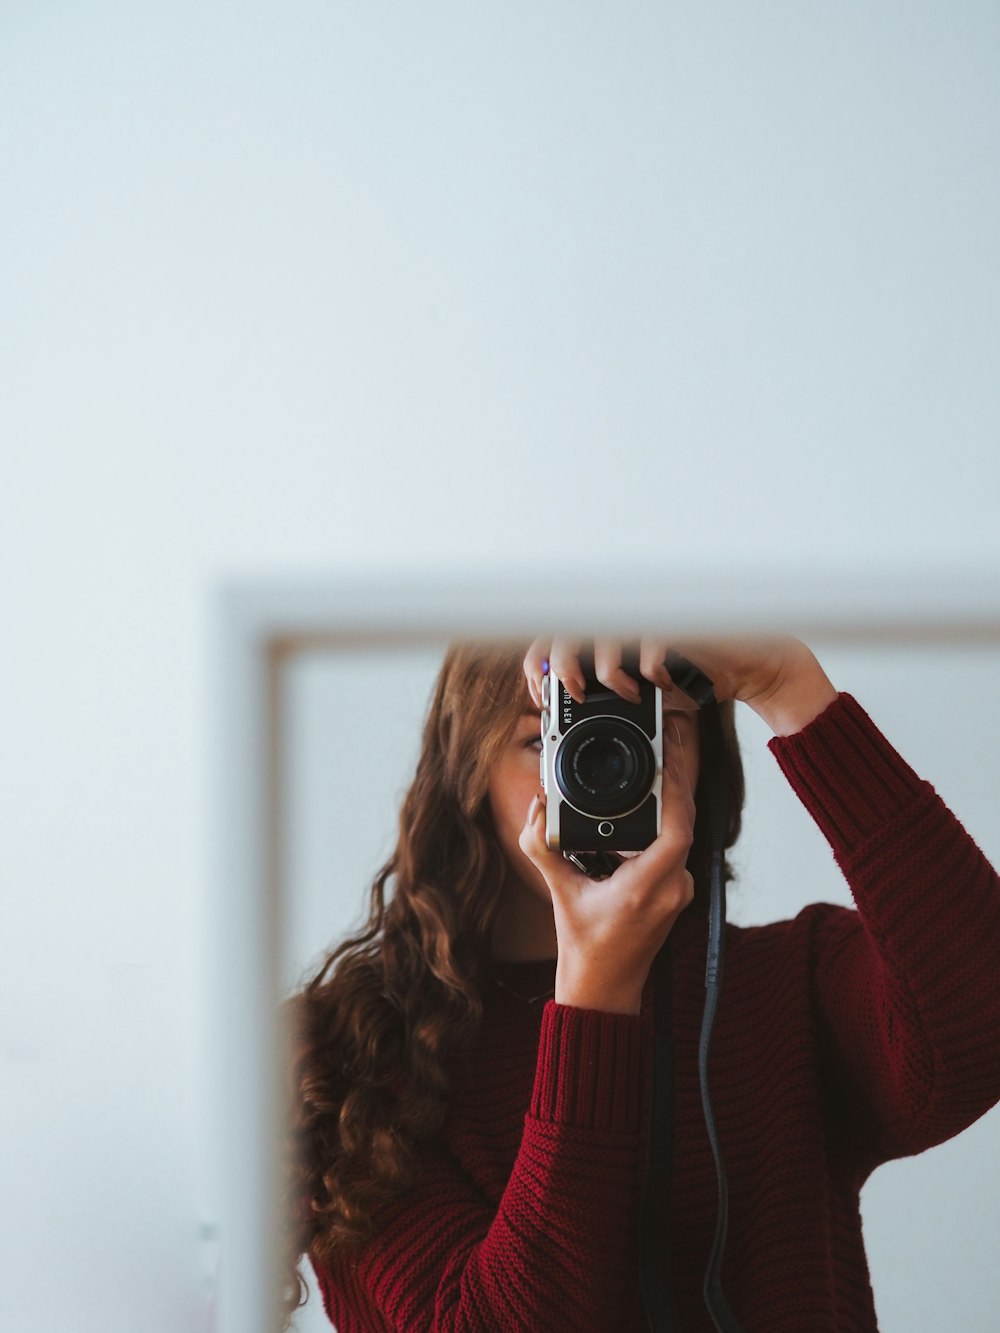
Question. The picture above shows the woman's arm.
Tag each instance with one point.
(558, 1251)
(909, 1004)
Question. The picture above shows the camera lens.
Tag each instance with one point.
(602, 765)
(605, 766)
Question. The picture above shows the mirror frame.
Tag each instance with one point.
(259, 626)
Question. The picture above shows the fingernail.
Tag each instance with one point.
(533, 810)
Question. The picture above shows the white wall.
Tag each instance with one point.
(327, 288)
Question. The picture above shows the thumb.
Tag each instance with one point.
(554, 867)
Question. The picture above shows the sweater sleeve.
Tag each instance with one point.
(558, 1251)
(908, 992)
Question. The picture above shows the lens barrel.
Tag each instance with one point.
(605, 766)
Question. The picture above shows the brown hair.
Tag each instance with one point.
(374, 1033)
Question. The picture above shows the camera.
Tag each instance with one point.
(601, 769)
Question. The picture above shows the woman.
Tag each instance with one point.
(472, 1070)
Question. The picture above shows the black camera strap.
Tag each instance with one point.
(654, 1242)
(713, 745)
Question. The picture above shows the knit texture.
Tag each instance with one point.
(843, 1039)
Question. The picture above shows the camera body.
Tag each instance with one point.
(601, 768)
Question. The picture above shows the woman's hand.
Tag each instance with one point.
(777, 676)
(609, 931)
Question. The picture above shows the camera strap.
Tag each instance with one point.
(713, 744)
(654, 1242)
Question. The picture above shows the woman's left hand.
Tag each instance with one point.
(775, 675)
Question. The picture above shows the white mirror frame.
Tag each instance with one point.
(259, 626)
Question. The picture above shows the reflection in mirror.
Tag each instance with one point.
(807, 1086)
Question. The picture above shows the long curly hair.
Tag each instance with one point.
(375, 1033)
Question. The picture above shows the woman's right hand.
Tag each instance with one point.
(609, 931)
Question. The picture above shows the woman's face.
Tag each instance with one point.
(515, 780)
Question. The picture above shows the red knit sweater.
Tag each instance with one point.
(843, 1039)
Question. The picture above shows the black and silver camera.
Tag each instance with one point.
(602, 770)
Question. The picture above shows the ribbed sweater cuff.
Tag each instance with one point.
(590, 1069)
(845, 772)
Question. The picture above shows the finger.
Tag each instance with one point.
(662, 864)
(677, 794)
(564, 662)
(556, 870)
(690, 681)
(533, 665)
(651, 662)
(609, 670)
(665, 857)
(652, 654)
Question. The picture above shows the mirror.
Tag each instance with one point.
(352, 721)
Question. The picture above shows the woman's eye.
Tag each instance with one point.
(533, 743)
